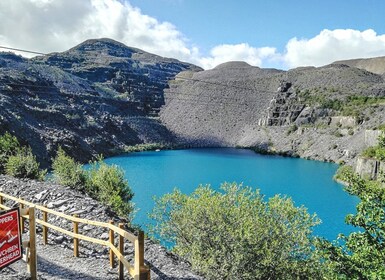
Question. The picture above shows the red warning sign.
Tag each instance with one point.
(10, 237)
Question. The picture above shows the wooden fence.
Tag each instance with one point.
(138, 270)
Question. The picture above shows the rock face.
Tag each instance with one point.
(102, 96)
(369, 168)
(236, 104)
(96, 98)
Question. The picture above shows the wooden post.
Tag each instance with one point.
(1, 200)
(112, 242)
(45, 229)
(139, 267)
(121, 250)
(32, 265)
(76, 240)
(22, 229)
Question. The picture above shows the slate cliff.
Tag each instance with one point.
(97, 98)
(319, 113)
(102, 96)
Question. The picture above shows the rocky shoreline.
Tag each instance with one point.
(55, 260)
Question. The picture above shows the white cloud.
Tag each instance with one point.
(238, 52)
(49, 26)
(57, 25)
(332, 45)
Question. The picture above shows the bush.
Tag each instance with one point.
(8, 146)
(361, 254)
(107, 184)
(343, 173)
(67, 172)
(235, 234)
(24, 165)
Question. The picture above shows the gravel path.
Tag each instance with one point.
(56, 261)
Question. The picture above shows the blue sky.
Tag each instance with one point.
(272, 33)
(208, 23)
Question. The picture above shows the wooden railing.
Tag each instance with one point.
(138, 270)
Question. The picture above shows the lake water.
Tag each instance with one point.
(308, 182)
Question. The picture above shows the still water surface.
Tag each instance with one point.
(308, 182)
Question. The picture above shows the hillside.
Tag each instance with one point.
(101, 97)
(375, 64)
(97, 98)
(318, 113)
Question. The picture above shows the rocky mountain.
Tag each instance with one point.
(96, 98)
(375, 64)
(102, 96)
(319, 113)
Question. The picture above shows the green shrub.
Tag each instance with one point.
(67, 172)
(370, 152)
(343, 173)
(235, 234)
(8, 146)
(107, 184)
(292, 128)
(381, 140)
(361, 254)
(24, 165)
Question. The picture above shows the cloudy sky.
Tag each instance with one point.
(267, 33)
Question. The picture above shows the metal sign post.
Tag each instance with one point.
(10, 237)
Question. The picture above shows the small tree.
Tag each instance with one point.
(235, 234)
(67, 172)
(360, 255)
(8, 146)
(24, 165)
(108, 185)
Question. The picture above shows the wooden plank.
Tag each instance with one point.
(76, 240)
(45, 229)
(32, 244)
(70, 233)
(112, 241)
(121, 251)
(129, 236)
(121, 258)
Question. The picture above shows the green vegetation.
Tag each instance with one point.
(24, 165)
(376, 152)
(8, 146)
(348, 106)
(107, 184)
(343, 173)
(145, 147)
(67, 172)
(236, 234)
(361, 254)
(292, 128)
(18, 161)
(104, 182)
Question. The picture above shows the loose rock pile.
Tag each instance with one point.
(93, 262)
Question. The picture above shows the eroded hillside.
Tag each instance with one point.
(96, 98)
(319, 113)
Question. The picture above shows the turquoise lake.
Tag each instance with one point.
(309, 183)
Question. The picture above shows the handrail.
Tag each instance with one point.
(138, 270)
(122, 232)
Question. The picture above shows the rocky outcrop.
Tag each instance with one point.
(369, 168)
(285, 108)
(371, 137)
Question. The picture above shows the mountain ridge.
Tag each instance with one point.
(102, 96)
